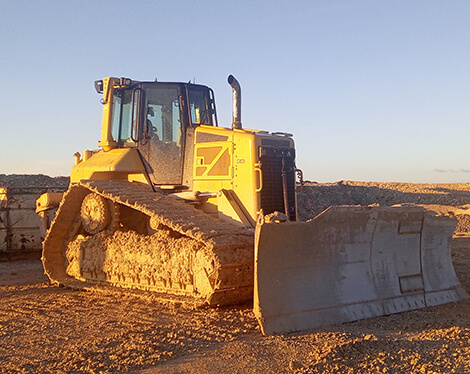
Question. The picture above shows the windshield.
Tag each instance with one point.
(200, 106)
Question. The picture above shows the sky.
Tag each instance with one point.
(373, 90)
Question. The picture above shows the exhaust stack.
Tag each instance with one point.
(237, 102)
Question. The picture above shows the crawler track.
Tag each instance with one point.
(153, 242)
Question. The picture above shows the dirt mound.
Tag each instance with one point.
(32, 181)
(319, 196)
(445, 198)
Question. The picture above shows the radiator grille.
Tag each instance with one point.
(272, 196)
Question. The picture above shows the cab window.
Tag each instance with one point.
(124, 114)
(200, 106)
(163, 114)
(161, 141)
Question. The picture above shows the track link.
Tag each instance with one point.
(155, 242)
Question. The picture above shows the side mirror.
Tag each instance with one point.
(99, 86)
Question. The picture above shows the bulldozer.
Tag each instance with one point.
(174, 203)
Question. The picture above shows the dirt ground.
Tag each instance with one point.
(47, 329)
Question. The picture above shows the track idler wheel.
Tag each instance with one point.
(96, 213)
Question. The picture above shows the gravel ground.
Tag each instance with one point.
(46, 329)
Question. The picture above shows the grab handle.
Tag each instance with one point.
(258, 169)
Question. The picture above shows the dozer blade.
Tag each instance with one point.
(351, 263)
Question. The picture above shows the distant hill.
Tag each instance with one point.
(33, 181)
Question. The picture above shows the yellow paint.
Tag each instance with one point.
(48, 200)
(224, 159)
(232, 164)
(107, 142)
(232, 210)
(118, 163)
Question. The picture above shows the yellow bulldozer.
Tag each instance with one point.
(174, 203)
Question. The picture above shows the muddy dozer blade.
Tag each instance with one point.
(351, 263)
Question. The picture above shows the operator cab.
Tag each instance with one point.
(154, 117)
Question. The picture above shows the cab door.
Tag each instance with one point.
(161, 140)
